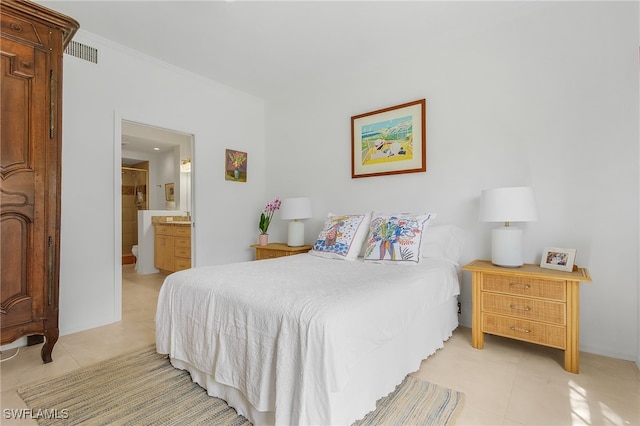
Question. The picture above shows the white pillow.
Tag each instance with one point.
(443, 242)
(342, 236)
(396, 238)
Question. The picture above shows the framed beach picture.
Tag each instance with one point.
(236, 165)
(389, 141)
(558, 258)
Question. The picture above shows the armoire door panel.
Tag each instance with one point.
(21, 58)
(17, 299)
(16, 99)
(22, 160)
(22, 29)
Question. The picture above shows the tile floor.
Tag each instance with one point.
(506, 383)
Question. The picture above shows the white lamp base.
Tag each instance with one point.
(506, 247)
(296, 234)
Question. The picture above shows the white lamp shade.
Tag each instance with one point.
(515, 204)
(295, 208)
(506, 205)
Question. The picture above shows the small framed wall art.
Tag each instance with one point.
(169, 193)
(561, 259)
(236, 165)
(389, 141)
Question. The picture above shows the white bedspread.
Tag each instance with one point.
(286, 332)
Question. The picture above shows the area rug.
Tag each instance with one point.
(142, 388)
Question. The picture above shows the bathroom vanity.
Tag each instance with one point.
(172, 244)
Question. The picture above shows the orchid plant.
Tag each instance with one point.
(267, 214)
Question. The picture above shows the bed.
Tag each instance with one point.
(306, 339)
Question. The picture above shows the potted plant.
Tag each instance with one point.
(265, 220)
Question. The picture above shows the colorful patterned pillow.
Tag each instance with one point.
(396, 238)
(342, 236)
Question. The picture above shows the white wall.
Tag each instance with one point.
(168, 171)
(127, 85)
(548, 100)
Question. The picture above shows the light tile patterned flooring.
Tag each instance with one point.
(506, 383)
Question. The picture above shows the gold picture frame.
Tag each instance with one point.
(235, 165)
(169, 192)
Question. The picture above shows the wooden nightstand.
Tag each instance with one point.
(273, 250)
(528, 303)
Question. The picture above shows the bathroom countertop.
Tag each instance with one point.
(170, 220)
(175, 223)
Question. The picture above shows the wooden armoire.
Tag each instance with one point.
(32, 45)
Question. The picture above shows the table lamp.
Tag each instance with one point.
(507, 205)
(295, 209)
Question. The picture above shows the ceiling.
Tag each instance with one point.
(273, 49)
(148, 139)
(276, 48)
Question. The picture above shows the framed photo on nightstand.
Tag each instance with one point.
(560, 259)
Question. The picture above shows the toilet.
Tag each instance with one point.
(134, 251)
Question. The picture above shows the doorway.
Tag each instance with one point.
(135, 141)
(152, 160)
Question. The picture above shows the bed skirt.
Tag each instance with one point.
(373, 378)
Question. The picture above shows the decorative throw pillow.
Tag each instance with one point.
(342, 236)
(396, 238)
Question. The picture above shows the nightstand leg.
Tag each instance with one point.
(477, 336)
(572, 350)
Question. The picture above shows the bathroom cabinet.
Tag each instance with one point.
(33, 39)
(172, 246)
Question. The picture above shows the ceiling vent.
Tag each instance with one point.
(82, 51)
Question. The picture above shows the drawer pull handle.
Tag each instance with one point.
(523, 330)
(522, 286)
(520, 308)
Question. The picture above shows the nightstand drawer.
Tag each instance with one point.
(525, 286)
(275, 250)
(521, 307)
(271, 254)
(529, 331)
